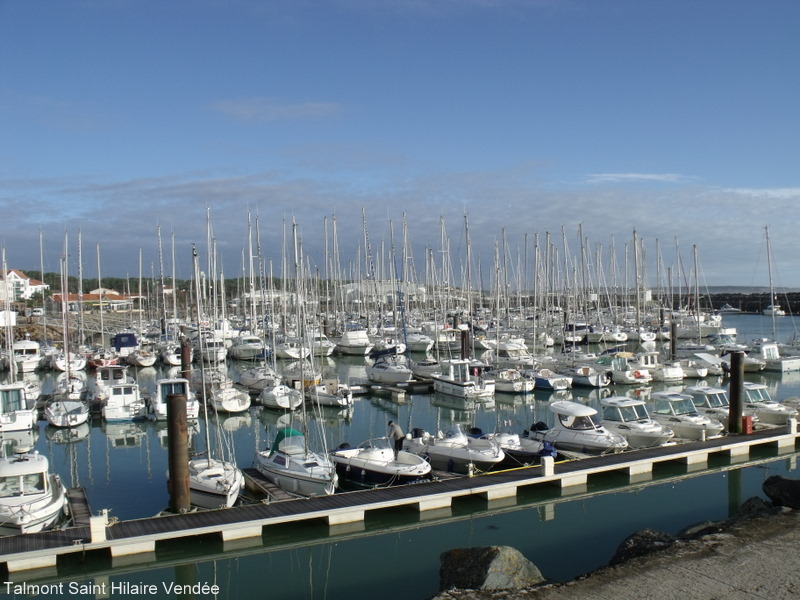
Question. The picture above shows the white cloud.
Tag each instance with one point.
(261, 110)
(777, 193)
(636, 177)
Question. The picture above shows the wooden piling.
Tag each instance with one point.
(736, 392)
(178, 432)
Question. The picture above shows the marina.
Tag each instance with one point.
(102, 461)
(140, 536)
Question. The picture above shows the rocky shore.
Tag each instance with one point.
(752, 555)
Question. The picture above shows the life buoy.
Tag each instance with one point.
(637, 374)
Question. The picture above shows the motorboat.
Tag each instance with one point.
(118, 394)
(454, 451)
(291, 348)
(32, 498)
(629, 418)
(374, 462)
(714, 402)
(158, 398)
(518, 449)
(576, 427)
(389, 368)
(678, 412)
(757, 399)
(247, 346)
(330, 392)
(293, 467)
(660, 371)
(622, 371)
(17, 412)
(586, 375)
(547, 379)
(354, 341)
(25, 355)
(321, 346)
(463, 378)
(511, 381)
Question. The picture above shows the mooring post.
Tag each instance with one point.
(178, 433)
(736, 392)
(673, 340)
(186, 359)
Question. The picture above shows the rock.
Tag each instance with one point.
(782, 491)
(641, 543)
(487, 568)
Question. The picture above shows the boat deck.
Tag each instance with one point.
(139, 536)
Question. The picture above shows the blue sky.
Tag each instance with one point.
(678, 120)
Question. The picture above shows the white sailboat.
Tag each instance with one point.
(290, 463)
(213, 482)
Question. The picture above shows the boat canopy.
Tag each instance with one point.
(289, 441)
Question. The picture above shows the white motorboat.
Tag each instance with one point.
(330, 392)
(32, 498)
(621, 369)
(660, 371)
(757, 399)
(354, 341)
(17, 412)
(293, 467)
(118, 394)
(577, 427)
(519, 450)
(586, 375)
(629, 418)
(25, 355)
(389, 368)
(547, 379)
(454, 451)
(320, 344)
(291, 348)
(247, 346)
(463, 378)
(714, 402)
(374, 462)
(158, 396)
(511, 381)
(425, 368)
(678, 412)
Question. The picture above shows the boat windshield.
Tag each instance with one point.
(717, 400)
(11, 400)
(576, 422)
(21, 485)
(676, 406)
(757, 395)
(375, 444)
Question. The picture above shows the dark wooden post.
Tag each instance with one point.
(178, 432)
(736, 392)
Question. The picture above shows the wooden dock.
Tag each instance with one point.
(140, 536)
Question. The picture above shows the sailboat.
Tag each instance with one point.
(290, 463)
(774, 309)
(213, 483)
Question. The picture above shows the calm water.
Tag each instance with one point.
(396, 554)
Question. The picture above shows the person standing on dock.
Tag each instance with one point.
(396, 434)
